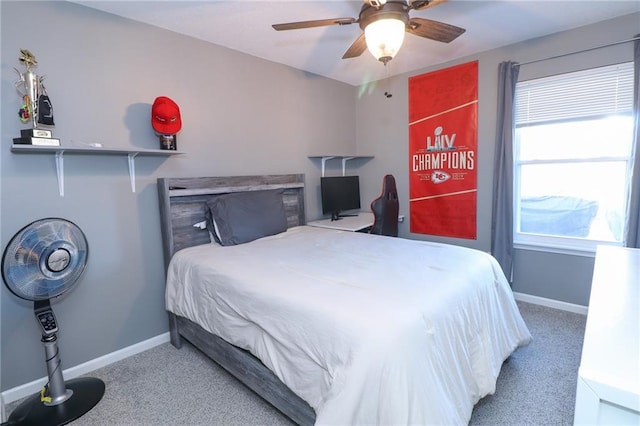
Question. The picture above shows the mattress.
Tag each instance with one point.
(367, 329)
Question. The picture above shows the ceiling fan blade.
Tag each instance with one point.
(438, 31)
(425, 4)
(312, 24)
(357, 48)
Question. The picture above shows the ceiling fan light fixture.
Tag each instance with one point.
(384, 38)
(383, 24)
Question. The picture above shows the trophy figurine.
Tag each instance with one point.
(29, 89)
(36, 106)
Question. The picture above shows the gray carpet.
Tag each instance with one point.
(166, 386)
(537, 386)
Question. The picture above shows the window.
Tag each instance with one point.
(572, 158)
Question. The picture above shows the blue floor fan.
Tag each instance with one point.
(41, 262)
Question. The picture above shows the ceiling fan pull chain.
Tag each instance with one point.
(387, 92)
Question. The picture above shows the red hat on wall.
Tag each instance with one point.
(165, 116)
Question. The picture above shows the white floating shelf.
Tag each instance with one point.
(60, 151)
(344, 158)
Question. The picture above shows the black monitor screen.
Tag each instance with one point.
(339, 194)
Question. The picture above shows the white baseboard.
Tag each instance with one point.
(551, 303)
(30, 388)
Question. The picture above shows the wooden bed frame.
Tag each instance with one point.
(182, 204)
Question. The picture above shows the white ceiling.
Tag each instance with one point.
(245, 26)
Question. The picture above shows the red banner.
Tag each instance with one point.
(443, 146)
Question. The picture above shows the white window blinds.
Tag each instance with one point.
(590, 93)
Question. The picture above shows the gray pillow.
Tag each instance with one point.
(241, 217)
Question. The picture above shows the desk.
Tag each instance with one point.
(608, 390)
(363, 221)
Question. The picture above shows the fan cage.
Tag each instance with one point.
(45, 259)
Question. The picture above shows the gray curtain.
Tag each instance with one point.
(502, 217)
(633, 217)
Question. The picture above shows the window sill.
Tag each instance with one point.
(584, 249)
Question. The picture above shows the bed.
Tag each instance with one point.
(331, 327)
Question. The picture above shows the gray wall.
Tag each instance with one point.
(241, 115)
(383, 131)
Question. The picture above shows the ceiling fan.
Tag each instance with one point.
(384, 24)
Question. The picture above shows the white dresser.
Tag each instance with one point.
(608, 390)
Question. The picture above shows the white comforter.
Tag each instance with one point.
(367, 329)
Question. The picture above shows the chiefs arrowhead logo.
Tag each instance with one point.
(438, 176)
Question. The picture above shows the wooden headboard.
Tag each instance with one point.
(183, 202)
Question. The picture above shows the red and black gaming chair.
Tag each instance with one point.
(385, 209)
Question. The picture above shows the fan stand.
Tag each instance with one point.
(66, 401)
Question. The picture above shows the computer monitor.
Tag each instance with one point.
(339, 194)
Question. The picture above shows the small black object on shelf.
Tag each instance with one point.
(168, 142)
